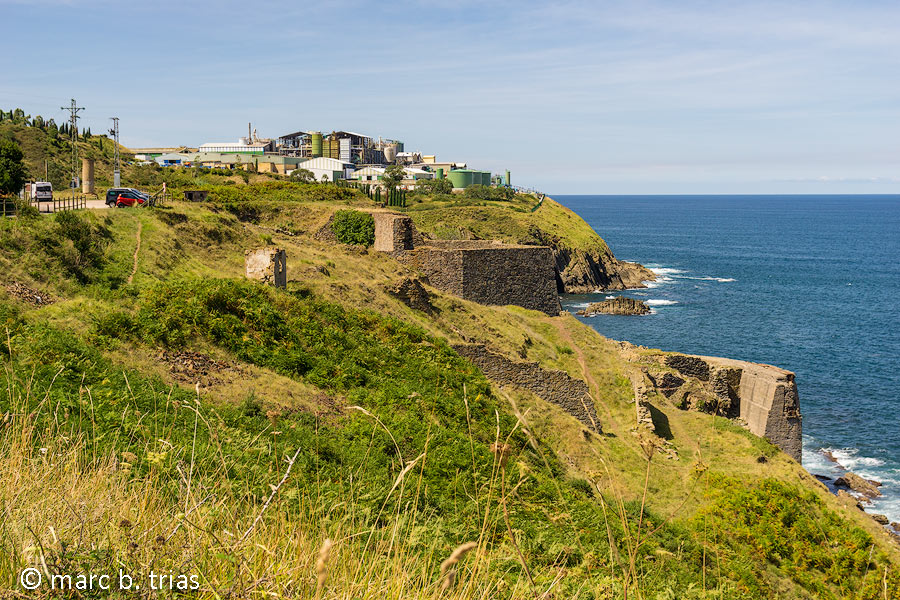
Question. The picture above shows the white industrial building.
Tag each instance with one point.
(242, 146)
(368, 174)
(331, 169)
(372, 174)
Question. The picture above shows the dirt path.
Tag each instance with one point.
(137, 249)
(566, 336)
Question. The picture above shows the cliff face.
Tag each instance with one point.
(582, 271)
(589, 267)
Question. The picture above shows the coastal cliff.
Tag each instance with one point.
(394, 404)
(584, 262)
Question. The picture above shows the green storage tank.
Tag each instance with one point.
(316, 144)
(461, 178)
(486, 178)
(440, 173)
(507, 178)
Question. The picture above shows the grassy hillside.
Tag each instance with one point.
(164, 413)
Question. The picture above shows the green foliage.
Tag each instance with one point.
(79, 246)
(354, 227)
(302, 176)
(392, 177)
(432, 187)
(774, 525)
(485, 192)
(12, 168)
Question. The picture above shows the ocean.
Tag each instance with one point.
(807, 283)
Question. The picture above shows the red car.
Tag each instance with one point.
(122, 197)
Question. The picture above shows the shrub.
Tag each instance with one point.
(354, 227)
(434, 186)
(483, 192)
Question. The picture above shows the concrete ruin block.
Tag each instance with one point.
(393, 232)
(268, 265)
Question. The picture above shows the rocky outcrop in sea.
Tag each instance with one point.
(616, 306)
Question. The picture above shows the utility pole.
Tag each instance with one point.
(115, 133)
(73, 109)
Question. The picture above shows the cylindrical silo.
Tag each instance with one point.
(461, 178)
(506, 182)
(316, 144)
(87, 175)
(486, 178)
(440, 173)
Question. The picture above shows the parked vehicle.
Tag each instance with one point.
(122, 197)
(42, 191)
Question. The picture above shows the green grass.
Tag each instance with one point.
(83, 382)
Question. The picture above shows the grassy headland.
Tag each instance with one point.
(164, 413)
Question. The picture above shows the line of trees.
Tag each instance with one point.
(17, 116)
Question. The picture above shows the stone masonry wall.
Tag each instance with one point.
(558, 387)
(520, 275)
(763, 397)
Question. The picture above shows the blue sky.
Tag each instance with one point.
(572, 97)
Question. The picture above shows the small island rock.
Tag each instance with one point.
(620, 305)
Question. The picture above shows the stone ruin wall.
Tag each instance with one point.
(557, 387)
(268, 265)
(763, 397)
(482, 271)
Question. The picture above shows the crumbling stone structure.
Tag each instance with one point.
(486, 272)
(764, 398)
(268, 265)
(557, 387)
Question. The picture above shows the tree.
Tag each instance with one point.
(37, 121)
(434, 186)
(303, 176)
(18, 116)
(12, 169)
(393, 175)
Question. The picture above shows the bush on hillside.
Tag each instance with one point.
(484, 192)
(431, 187)
(78, 244)
(354, 227)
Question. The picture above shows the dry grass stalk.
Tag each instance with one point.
(322, 566)
(448, 567)
(271, 496)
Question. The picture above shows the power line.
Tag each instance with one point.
(73, 109)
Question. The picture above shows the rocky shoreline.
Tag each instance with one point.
(857, 490)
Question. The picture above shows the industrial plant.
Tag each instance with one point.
(331, 156)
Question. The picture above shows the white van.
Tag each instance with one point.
(42, 191)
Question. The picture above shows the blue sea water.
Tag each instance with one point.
(807, 283)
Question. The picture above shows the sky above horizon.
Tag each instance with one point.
(632, 97)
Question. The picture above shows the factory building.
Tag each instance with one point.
(347, 146)
(172, 159)
(242, 146)
(372, 175)
(331, 169)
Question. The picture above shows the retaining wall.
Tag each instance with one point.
(558, 387)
